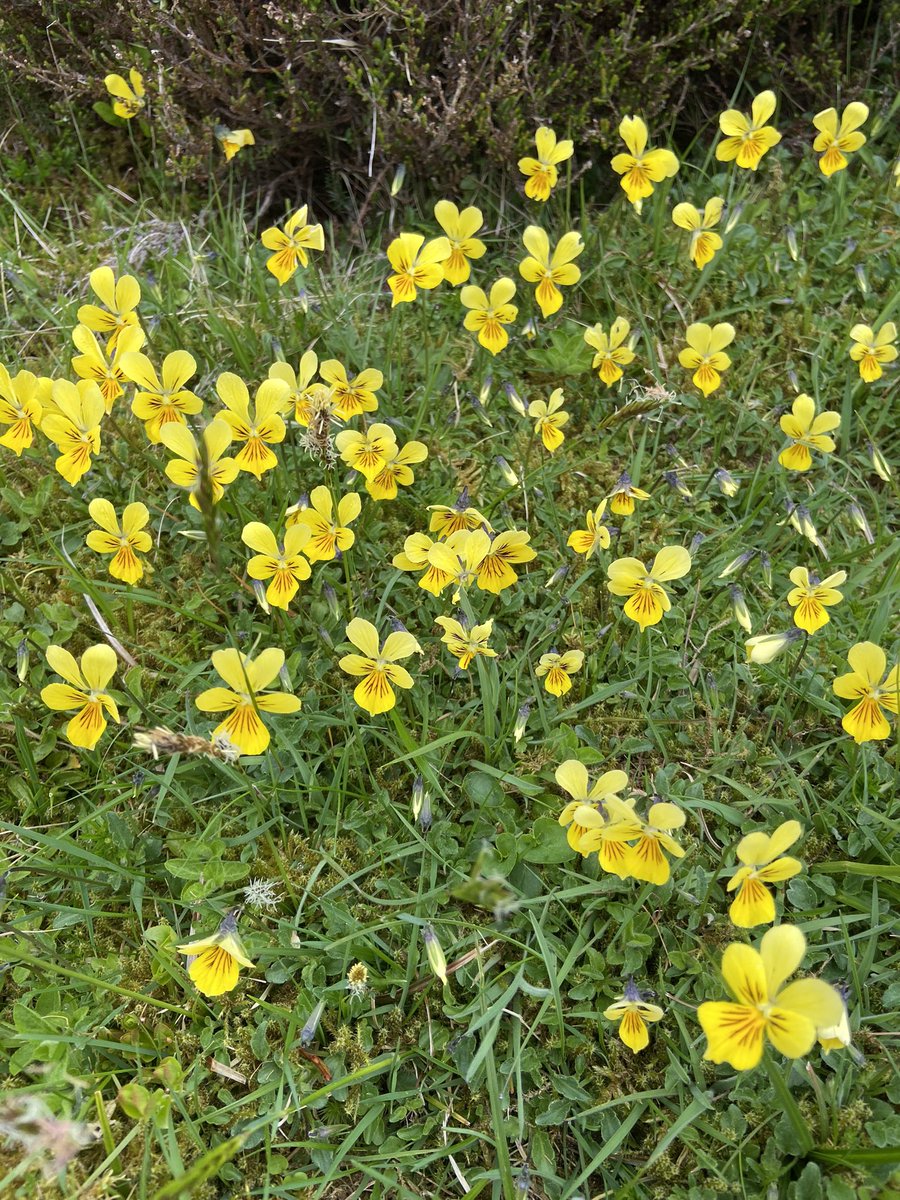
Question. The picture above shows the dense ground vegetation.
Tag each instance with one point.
(471, 1055)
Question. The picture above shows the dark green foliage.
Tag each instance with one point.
(339, 92)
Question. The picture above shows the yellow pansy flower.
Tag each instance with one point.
(93, 363)
(233, 140)
(214, 962)
(550, 271)
(608, 828)
(284, 565)
(648, 862)
(120, 299)
(810, 597)
(765, 1009)
(125, 543)
(465, 643)
(73, 425)
(418, 552)
(378, 665)
(541, 172)
(557, 669)
(633, 1012)
(257, 430)
(572, 777)
(487, 561)
(460, 228)
(833, 141)
(84, 690)
(549, 420)
(158, 402)
(246, 697)
(747, 139)
(396, 471)
(305, 396)
(612, 354)
(486, 317)
(648, 599)
(445, 519)
(416, 265)
(624, 494)
(594, 537)
(330, 533)
(128, 95)
(704, 243)
(703, 354)
(20, 408)
(291, 244)
(806, 431)
(194, 468)
(875, 692)
(367, 452)
(760, 854)
(351, 397)
(871, 349)
(640, 168)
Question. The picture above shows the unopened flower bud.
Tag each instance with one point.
(515, 400)
(792, 243)
(22, 661)
(880, 463)
(259, 591)
(728, 485)
(521, 721)
(436, 959)
(766, 646)
(397, 181)
(737, 563)
(557, 577)
(734, 217)
(859, 519)
(331, 600)
(677, 485)
(506, 471)
(529, 329)
(485, 390)
(696, 542)
(765, 565)
(861, 281)
(739, 608)
(308, 1032)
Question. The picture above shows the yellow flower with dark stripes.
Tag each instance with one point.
(246, 697)
(20, 408)
(761, 857)
(595, 535)
(704, 243)
(640, 168)
(542, 173)
(350, 397)
(330, 531)
(704, 353)
(159, 401)
(549, 419)
(125, 543)
(876, 693)
(807, 432)
(120, 299)
(633, 1012)
(72, 423)
(194, 464)
(214, 962)
(747, 139)
(550, 271)
(417, 264)
(764, 1009)
(466, 643)
(128, 94)
(488, 315)
(291, 244)
(811, 597)
(378, 665)
(259, 429)
(460, 228)
(647, 598)
(284, 564)
(834, 141)
(84, 691)
(557, 670)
